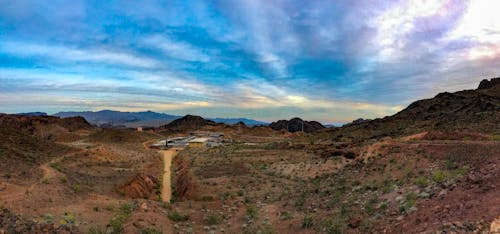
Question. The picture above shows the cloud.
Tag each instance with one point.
(327, 60)
(176, 49)
(69, 54)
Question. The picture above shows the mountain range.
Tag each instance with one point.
(137, 119)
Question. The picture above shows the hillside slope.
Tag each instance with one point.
(31, 140)
(475, 110)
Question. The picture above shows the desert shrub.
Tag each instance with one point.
(120, 217)
(422, 182)
(150, 231)
(370, 205)
(76, 188)
(95, 230)
(411, 199)
(439, 176)
(495, 137)
(335, 228)
(450, 165)
(384, 205)
(285, 215)
(213, 218)
(177, 217)
(68, 218)
(56, 166)
(251, 212)
(307, 221)
(48, 218)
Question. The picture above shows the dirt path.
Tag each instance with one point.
(166, 190)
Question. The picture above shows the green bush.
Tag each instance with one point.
(177, 217)
(285, 215)
(422, 182)
(213, 218)
(307, 221)
(252, 212)
(439, 176)
(120, 217)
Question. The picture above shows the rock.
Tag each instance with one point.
(412, 209)
(354, 222)
(423, 195)
(495, 225)
(485, 84)
(141, 186)
(399, 199)
(143, 207)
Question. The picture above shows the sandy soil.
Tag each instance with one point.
(166, 190)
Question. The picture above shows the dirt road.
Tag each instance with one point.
(166, 190)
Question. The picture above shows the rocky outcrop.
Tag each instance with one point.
(473, 110)
(296, 125)
(183, 179)
(142, 186)
(485, 84)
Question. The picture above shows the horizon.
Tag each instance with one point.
(182, 115)
(331, 62)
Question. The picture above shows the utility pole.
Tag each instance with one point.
(302, 125)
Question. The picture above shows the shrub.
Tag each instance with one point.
(422, 182)
(213, 218)
(251, 212)
(307, 221)
(335, 228)
(439, 176)
(68, 218)
(48, 218)
(178, 217)
(384, 205)
(150, 231)
(285, 215)
(76, 188)
(120, 217)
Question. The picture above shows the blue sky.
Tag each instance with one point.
(331, 61)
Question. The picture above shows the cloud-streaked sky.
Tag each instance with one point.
(331, 61)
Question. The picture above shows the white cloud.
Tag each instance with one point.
(397, 22)
(176, 49)
(69, 54)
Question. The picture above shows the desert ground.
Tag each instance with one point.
(110, 181)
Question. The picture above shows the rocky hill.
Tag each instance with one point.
(188, 123)
(296, 125)
(31, 140)
(474, 110)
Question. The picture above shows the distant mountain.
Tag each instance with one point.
(473, 110)
(137, 119)
(129, 119)
(296, 125)
(33, 114)
(249, 122)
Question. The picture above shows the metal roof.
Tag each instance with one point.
(199, 140)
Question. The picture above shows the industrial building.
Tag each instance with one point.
(198, 142)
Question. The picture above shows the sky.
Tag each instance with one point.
(331, 61)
